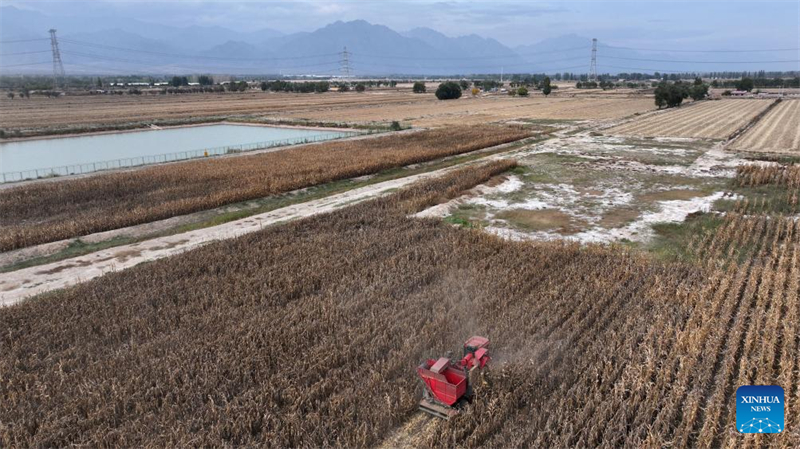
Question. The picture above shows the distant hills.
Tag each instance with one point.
(120, 45)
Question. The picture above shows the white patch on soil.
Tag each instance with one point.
(672, 211)
(442, 210)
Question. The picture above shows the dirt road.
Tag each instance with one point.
(18, 285)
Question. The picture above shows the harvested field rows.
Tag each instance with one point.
(777, 132)
(107, 109)
(593, 346)
(483, 110)
(707, 119)
(50, 211)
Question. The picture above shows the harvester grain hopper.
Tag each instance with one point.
(447, 382)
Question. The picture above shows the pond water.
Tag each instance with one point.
(144, 147)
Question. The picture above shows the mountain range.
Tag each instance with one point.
(120, 45)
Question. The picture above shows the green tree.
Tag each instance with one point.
(546, 89)
(745, 84)
(343, 87)
(698, 81)
(395, 126)
(205, 80)
(464, 84)
(176, 81)
(670, 94)
(10, 95)
(322, 86)
(99, 82)
(360, 87)
(448, 90)
(264, 86)
(698, 92)
(522, 91)
(419, 87)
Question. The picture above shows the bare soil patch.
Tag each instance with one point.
(542, 220)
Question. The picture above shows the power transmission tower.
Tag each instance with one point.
(344, 62)
(58, 66)
(593, 64)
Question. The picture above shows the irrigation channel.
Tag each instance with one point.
(62, 156)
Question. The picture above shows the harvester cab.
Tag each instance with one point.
(447, 383)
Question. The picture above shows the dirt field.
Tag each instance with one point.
(107, 109)
(707, 119)
(381, 107)
(777, 132)
(431, 112)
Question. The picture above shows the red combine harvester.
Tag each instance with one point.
(447, 382)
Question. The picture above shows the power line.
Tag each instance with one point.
(151, 64)
(516, 55)
(700, 62)
(177, 55)
(15, 41)
(647, 70)
(418, 66)
(763, 50)
(25, 53)
(27, 64)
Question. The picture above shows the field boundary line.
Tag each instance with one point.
(741, 131)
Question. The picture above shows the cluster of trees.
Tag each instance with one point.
(419, 87)
(672, 94)
(487, 84)
(304, 87)
(603, 84)
(178, 81)
(237, 86)
(345, 87)
(24, 93)
(747, 83)
(189, 90)
(379, 83)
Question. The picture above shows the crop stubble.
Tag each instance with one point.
(307, 334)
(707, 119)
(777, 132)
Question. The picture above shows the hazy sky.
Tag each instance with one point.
(710, 24)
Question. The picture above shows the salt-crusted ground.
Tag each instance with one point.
(593, 188)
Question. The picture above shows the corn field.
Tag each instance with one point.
(50, 211)
(307, 335)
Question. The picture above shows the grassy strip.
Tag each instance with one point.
(673, 240)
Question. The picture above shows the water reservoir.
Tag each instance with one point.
(83, 154)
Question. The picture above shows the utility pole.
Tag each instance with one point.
(58, 66)
(344, 62)
(593, 64)
(501, 75)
